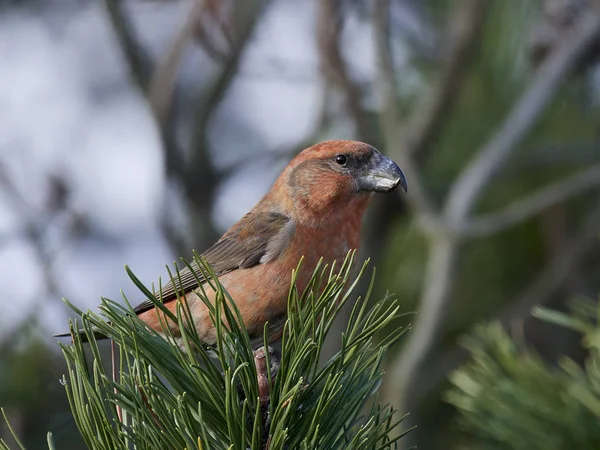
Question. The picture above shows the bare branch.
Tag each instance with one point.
(244, 20)
(214, 19)
(556, 271)
(556, 154)
(159, 90)
(438, 282)
(521, 210)
(390, 115)
(538, 292)
(471, 183)
(163, 80)
(462, 35)
(335, 68)
(33, 229)
(138, 61)
(140, 68)
(198, 178)
(556, 21)
(433, 307)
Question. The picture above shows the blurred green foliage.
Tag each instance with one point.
(508, 397)
(497, 77)
(491, 271)
(30, 392)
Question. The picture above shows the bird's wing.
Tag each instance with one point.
(256, 238)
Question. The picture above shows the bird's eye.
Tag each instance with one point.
(341, 159)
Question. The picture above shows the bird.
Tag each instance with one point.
(314, 210)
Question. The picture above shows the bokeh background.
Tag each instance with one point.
(134, 131)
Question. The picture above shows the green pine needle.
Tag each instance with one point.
(176, 393)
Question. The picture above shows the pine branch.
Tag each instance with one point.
(175, 392)
(507, 396)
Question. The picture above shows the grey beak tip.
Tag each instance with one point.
(402, 179)
(382, 175)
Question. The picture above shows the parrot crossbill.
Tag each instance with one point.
(314, 209)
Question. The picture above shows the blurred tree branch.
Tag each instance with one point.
(523, 209)
(164, 76)
(390, 115)
(471, 183)
(557, 270)
(558, 154)
(34, 224)
(462, 35)
(557, 20)
(335, 69)
(200, 179)
(538, 291)
(33, 229)
(444, 244)
(138, 61)
(194, 174)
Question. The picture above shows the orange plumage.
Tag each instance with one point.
(314, 209)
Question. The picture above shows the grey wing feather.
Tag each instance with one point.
(249, 242)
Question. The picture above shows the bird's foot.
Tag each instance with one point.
(264, 387)
(260, 360)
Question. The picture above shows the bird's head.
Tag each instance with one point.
(334, 174)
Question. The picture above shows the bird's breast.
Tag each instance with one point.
(261, 292)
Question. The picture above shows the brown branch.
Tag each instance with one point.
(33, 229)
(462, 35)
(198, 178)
(438, 282)
(140, 68)
(162, 83)
(471, 184)
(523, 209)
(243, 25)
(137, 59)
(335, 69)
(557, 271)
(538, 292)
(390, 116)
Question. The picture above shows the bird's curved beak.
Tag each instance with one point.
(381, 174)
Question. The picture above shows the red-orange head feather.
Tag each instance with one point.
(334, 177)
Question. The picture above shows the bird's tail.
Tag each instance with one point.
(83, 335)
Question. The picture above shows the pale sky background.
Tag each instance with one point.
(67, 107)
